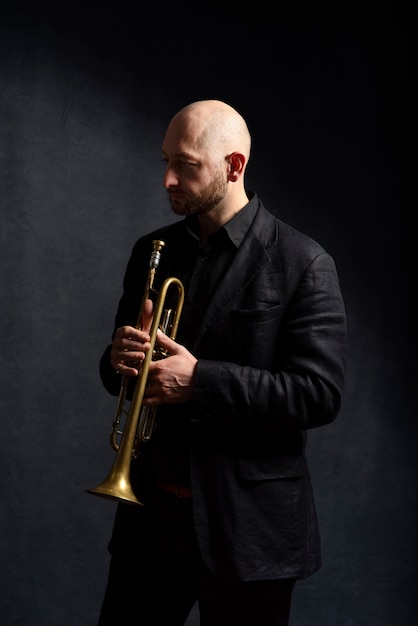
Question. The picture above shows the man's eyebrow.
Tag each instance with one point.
(181, 155)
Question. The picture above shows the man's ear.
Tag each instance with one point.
(236, 162)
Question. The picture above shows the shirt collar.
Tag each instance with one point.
(236, 228)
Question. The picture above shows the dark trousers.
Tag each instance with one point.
(156, 575)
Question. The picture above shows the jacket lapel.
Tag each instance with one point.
(249, 260)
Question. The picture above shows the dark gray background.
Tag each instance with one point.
(86, 91)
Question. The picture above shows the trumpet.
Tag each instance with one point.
(140, 421)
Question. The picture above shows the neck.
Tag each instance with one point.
(220, 215)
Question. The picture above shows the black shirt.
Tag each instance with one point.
(200, 268)
(203, 266)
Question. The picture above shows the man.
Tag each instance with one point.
(228, 517)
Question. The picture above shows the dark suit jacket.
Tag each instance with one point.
(272, 352)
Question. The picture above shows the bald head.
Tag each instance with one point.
(206, 149)
(213, 127)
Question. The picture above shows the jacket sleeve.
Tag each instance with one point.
(299, 379)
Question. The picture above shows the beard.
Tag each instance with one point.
(198, 204)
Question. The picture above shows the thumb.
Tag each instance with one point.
(146, 317)
(165, 342)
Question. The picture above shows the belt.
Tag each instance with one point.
(178, 490)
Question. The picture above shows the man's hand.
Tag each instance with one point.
(130, 345)
(170, 379)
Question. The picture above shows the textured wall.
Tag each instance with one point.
(85, 94)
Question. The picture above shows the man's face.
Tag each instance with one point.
(196, 183)
(199, 198)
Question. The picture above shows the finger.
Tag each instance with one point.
(124, 332)
(124, 369)
(129, 349)
(128, 337)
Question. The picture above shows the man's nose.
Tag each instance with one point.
(170, 178)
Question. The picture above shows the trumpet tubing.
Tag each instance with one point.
(140, 420)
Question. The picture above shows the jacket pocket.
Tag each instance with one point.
(287, 467)
(256, 316)
(260, 328)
